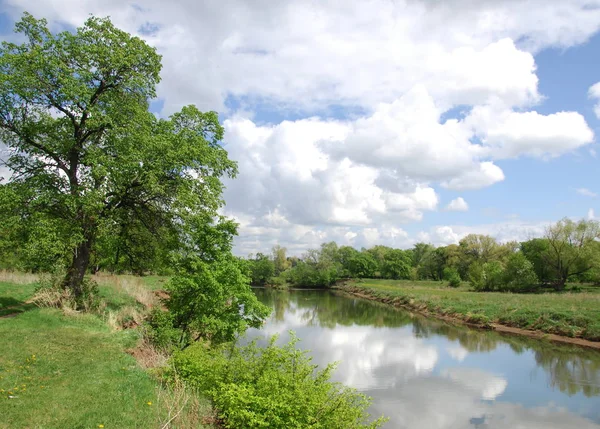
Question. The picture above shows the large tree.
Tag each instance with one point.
(89, 157)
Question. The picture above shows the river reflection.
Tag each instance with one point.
(426, 374)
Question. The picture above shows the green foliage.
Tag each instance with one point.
(306, 274)
(272, 387)
(486, 276)
(261, 269)
(161, 331)
(361, 265)
(396, 264)
(452, 277)
(110, 182)
(572, 249)
(280, 261)
(535, 250)
(214, 301)
(519, 274)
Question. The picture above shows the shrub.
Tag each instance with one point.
(214, 301)
(451, 276)
(161, 331)
(486, 277)
(272, 387)
(519, 274)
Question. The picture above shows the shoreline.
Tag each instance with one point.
(457, 319)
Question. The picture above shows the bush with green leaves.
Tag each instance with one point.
(161, 331)
(519, 274)
(486, 277)
(272, 387)
(214, 301)
(452, 277)
(308, 274)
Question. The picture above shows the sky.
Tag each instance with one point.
(380, 121)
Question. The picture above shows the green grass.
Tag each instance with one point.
(13, 297)
(73, 371)
(569, 314)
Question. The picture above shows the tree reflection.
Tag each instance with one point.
(570, 369)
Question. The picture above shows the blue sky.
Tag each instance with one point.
(360, 122)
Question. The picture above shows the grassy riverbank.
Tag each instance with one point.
(62, 370)
(571, 314)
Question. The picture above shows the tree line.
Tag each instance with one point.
(569, 251)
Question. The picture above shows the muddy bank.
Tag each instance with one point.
(463, 319)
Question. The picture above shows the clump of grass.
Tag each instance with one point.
(182, 407)
(124, 318)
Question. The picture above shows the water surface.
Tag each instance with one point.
(423, 373)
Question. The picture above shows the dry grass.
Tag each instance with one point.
(55, 298)
(18, 278)
(181, 408)
(130, 285)
(124, 318)
(148, 356)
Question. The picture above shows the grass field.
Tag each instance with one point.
(62, 370)
(573, 314)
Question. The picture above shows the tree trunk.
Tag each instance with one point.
(79, 264)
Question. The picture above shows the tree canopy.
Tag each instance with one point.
(92, 168)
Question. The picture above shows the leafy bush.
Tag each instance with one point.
(312, 275)
(273, 387)
(214, 301)
(486, 277)
(161, 331)
(519, 274)
(452, 277)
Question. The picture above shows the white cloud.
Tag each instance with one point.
(458, 205)
(594, 93)
(485, 175)
(509, 134)
(305, 54)
(394, 69)
(586, 192)
(514, 230)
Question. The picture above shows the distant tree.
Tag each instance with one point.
(536, 251)
(482, 248)
(420, 252)
(396, 264)
(362, 265)
(519, 273)
(571, 249)
(280, 260)
(261, 268)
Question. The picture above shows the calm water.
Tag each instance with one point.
(426, 374)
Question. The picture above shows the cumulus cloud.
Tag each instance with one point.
(301, 53)
(513, 230)
(586, 192)
(594, 93)
(509, 134)
(457, 205)
(388, 72)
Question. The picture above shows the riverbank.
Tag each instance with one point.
(71, 370)
(567, 317)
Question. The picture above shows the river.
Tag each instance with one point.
(423, 373)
